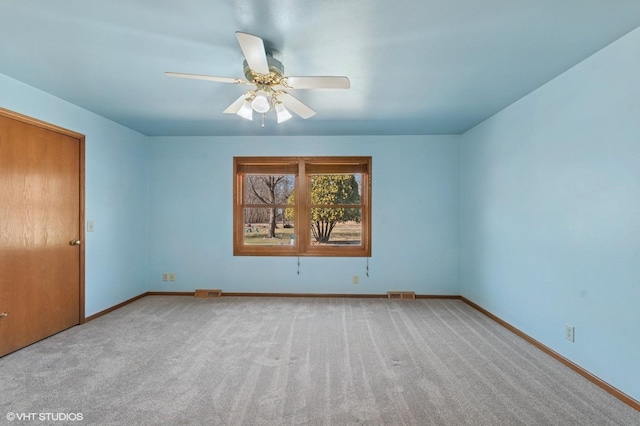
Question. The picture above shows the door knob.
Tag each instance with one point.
(74, 242)
(3, 314)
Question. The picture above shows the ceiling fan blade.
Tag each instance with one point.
(318, 82)
(207, 77)
(296, 106)
(236, 105)
(253, 51)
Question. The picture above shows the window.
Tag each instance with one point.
(302, 206)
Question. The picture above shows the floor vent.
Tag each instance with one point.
(404, 295)
(208, 293)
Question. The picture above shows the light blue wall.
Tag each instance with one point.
(115, 188)
(550, 214)
(414, 220)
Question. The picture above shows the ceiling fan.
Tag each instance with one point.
(268, 84)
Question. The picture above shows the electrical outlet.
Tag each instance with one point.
(355, 279)
(172, 276)
(569, 333)
(165, 276)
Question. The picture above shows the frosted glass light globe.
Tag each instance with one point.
(261, 103)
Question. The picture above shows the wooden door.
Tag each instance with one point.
(41, 216)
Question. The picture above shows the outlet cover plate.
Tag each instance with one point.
(570, 333)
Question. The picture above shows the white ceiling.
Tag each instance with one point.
(416, 66)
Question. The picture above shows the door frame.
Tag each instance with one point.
(81, 140)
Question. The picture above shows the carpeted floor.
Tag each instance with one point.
(285, 361)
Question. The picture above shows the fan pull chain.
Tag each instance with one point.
(263, 120)
(298, 265)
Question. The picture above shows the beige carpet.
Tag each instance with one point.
(269, 361)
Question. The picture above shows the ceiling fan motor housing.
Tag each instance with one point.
(275, 76)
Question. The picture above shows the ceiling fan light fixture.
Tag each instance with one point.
(282, 113)
(261, 103)
(246, 111)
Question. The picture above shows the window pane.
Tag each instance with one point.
(268, 189)
(336, 226)
(268, 226)
(336, 189)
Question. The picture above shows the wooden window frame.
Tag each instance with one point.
(302, 168)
